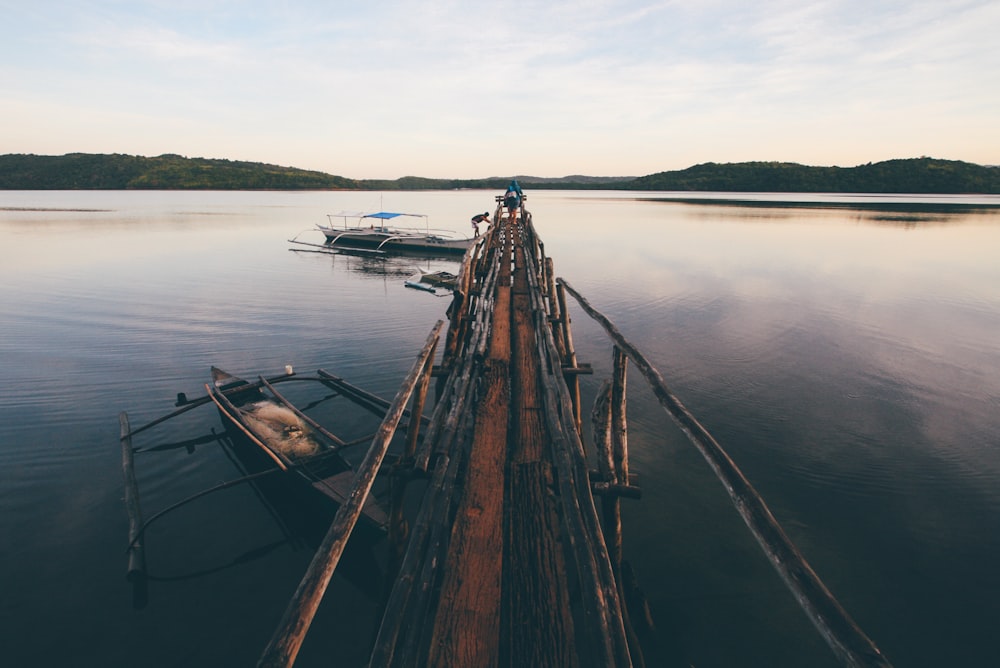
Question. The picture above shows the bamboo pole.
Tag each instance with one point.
(419, 400)
(600, 592)
(372, 402)
(136, 550)
(570, 359)
(600, 418)
(287, 639)
(452, 396)
(397, 485)
(848, 642)
(627, 648)
(574, 479)
(201, 401)
(197, 495)
(555, 314)
(619, 424)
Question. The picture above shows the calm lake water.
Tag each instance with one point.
(845, 354)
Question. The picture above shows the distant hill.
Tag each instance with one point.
(80, 171)
(76, 171)
(918, 175)
(496, 182)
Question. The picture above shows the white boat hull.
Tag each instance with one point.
(393, 240)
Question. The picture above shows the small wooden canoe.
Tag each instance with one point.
(296, 443)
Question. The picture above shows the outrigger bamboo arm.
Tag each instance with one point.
(287, 639)
(134, 541)
(373, 402)
(848, 642)
(201, 401)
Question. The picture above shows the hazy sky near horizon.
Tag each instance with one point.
(463, 88)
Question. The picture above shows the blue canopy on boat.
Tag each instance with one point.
(386, 215)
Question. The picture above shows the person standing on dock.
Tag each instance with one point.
(483, 217)
(512, 198)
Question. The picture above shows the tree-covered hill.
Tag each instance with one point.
(78, 171)
(919, 175)
(167, 172)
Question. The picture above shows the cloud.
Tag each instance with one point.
(638, 86)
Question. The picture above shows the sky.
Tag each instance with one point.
(470, 89)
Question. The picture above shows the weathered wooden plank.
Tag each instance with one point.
(467, 626)
(399, 606)
(595, 573)
(539, 620)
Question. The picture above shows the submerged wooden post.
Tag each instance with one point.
(570, 359)
(397, 484)
(619, 423)
(457, 309)
(287, 639)
(555, 313)
(136, 551)
(848, 642)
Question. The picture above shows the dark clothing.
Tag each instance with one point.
(512, 198)
(480, 218)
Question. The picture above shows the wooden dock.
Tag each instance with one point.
(515, 556)
(506, 562)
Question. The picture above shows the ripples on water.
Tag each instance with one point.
(844, 357)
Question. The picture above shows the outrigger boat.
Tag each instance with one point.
(371, 231)
(294, 441)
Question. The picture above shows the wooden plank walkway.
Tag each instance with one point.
(506, 563)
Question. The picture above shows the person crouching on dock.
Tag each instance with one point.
(480, 218)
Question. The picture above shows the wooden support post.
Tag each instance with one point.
(848, 642)
(287, 639)
(619, 424)
(136, 551)
(555, 313)
(570, 359)
(456, 311)
(600, 418)
(617, 487)
(397, 485)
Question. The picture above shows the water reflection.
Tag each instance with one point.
(844, 356)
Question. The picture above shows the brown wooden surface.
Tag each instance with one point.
(467, 628)
(467, 625)
(506, 565)
(539, 620)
